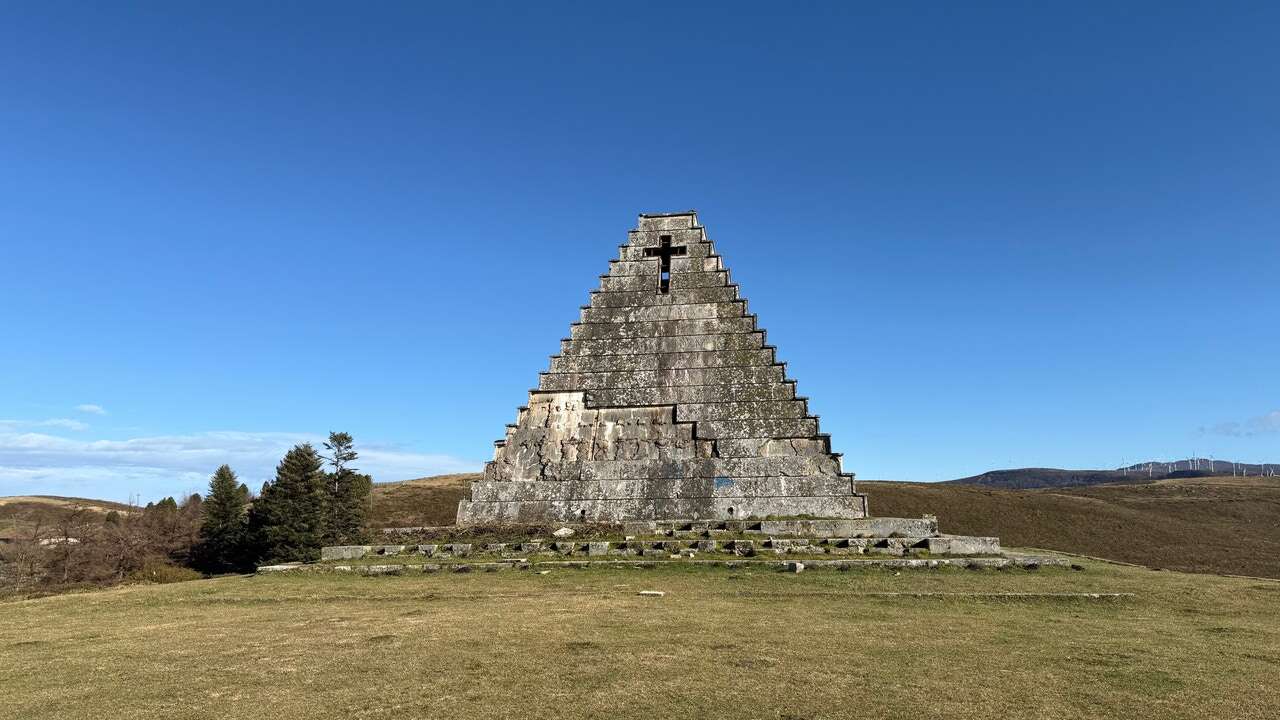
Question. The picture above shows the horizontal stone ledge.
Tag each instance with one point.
(764, 427)
(635, 252)
(609, 510)
(666, 222)
(571, 382)
(690, 280)
(675, 297)
(657, 313)
(785, 470)
(705, 545)
(676, 394)
(648, 489)
(676, 281)
(741, 410)
(651, 266)
(679, 343)
(735, 447)
(662, 328)
(818, 527)
(663, 361)
(982, 563)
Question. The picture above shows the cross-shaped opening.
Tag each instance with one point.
(664, 252)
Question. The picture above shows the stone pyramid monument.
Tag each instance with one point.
(664, 403)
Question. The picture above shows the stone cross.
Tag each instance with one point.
(664, 252)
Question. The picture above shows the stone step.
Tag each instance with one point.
(761, 427)
(689, 412)
(704, 470)
(944, 545)
(688, 280)
(658, 488)
(666, 223)
(600, 299)
(677, 281)
(614, 510)
(662, 328)
(819, 444)
(634, 252)
(671, 395)
(1026, 562)
(686, 360)
(647, 345)
(859, 527)
(653, 313)
(650, 266)
(567, 382)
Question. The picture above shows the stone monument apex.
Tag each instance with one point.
(664, 403)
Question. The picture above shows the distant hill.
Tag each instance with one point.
(20, 513)
(1028, 478)
(422, 501)
(1219, 525)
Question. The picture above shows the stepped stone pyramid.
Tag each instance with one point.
(664, 403)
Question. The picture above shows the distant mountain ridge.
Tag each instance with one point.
(1030, 478)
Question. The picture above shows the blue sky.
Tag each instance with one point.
(982, 237)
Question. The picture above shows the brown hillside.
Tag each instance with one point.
(424, 501)
(1217, 525)
(20, 514)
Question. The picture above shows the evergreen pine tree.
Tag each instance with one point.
(349, 493)
(223, 525)
(287, 521)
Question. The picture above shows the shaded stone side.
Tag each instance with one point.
(664, 403)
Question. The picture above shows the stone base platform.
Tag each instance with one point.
(938, 545)
(1005, 562)
(866, 527)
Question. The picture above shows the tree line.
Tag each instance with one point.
(316, 498)
(303, 509)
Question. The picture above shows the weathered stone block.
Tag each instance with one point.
(664, 328)
(963, 545)
(344, 552)
(646, 345)
(655, 313)
(652, 222)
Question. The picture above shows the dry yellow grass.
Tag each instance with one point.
(580, 644)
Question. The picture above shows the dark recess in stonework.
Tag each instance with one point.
(664, 251)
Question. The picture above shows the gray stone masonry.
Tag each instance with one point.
(939, 545)
(664, 403)
(1026, 562)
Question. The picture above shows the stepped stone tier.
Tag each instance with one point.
(665, 402)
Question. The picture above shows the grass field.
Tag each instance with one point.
(582, 644)
(1220, 525)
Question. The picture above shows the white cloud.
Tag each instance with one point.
(1254, 426)
(64, 423)
(38, 463)
(92, 409)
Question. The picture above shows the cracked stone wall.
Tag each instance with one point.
(665, 402)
